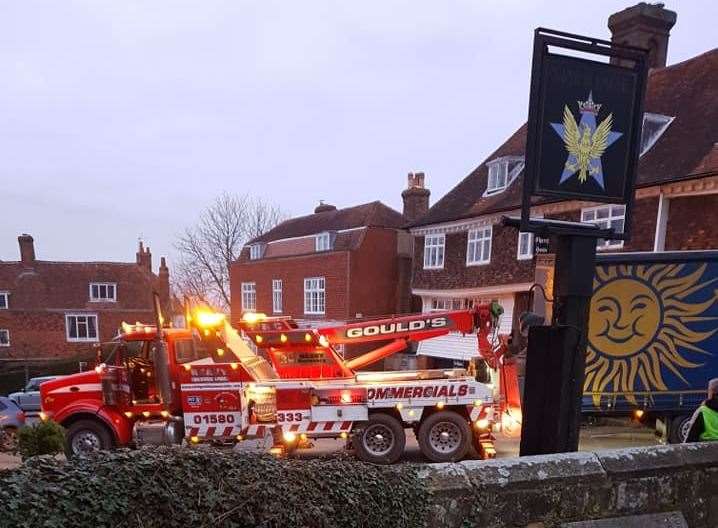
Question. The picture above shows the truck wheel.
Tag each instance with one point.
(444, 437)
(679, 428)
(380, 440)
(87, 436)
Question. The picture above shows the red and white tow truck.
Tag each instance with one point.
(207, 383)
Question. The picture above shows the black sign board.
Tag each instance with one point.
(585, 119)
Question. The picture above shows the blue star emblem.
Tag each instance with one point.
(585, 141)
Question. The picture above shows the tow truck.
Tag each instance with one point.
(210, 382)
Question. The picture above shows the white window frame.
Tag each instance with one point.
(530, 246)
(6, 296)
(322, 242)
(443, 304)
(590, 215)
(277, 295)
(434, 251)
(315, 296)
(106, 286)
(502, 181)
(249, 296)
(7, 335)
(498, 171)
(255, 251)
(86, 316)
(476, 239)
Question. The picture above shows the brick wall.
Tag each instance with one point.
(292, 271)
(41, 293)
(504, 267)
(36, 334)
(374, 288)
(693, 223)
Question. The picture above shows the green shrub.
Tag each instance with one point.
(43, 438)
(180, 487)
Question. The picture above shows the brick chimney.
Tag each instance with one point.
(415, 196)
(143, 257)
(163, 288)
(324, 207)
(27, 249)
(645, 26)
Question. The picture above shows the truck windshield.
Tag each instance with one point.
(189, 350)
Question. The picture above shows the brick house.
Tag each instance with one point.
(58, 310)
(333, 265)
(462, 253)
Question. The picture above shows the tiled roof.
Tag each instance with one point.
(373, 214)
(51, 285)
(687, 90)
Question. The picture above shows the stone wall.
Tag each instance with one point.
(549, 490)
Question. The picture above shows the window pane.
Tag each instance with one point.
(72, 323)
(602, 212)
(92, 329)
(95, 291)
(111, 291)
(3, 300)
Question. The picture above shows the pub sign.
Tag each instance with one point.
(585, 118)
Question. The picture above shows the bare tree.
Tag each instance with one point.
(208, 248)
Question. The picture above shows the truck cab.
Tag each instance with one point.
(133, 396)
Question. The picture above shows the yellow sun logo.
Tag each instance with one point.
(642, 326)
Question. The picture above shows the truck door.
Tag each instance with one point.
(129, 381)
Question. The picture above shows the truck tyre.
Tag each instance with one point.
(87, 436)
(444, 436)
(380, 440)
(678, 430)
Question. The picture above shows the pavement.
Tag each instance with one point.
(612, 435)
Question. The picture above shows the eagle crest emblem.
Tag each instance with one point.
(585, 141)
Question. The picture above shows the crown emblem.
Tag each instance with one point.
(589, 106)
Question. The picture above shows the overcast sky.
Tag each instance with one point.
(122, 118)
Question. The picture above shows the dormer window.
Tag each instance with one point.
(323, 242)
(502, 171)
(256, 251)
(654, 125)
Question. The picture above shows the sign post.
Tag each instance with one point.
(584, 126)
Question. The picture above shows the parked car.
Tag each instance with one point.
(29, 398)
(11, 419)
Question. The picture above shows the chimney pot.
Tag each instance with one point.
(143, 257)
(644, 26)
(415, 196)
(27, 248)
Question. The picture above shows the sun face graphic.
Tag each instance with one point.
(641, 326)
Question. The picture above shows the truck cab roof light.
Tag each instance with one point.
(207, 319)
(253, 317)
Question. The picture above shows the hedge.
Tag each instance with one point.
(181, 487)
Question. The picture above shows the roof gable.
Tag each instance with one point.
(373, 214)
